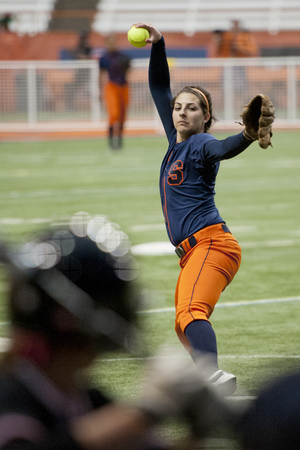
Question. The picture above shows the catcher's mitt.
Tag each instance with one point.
(258, 117)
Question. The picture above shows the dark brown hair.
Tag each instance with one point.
(195, 91)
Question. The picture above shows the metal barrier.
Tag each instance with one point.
(64, 94)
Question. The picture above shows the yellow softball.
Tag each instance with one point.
(138, 36)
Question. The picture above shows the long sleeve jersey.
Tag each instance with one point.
(189, 168)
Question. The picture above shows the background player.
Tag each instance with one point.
(83, 49)
(209, 255)
(115, 64)
(236, 43)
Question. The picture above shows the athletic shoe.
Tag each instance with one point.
(225, 383)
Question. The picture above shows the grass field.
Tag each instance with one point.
(258, 192)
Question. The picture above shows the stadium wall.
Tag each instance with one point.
(50, 45)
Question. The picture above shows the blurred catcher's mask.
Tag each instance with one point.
(76, 281)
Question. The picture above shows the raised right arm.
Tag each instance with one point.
(159, 77)
(159, 84)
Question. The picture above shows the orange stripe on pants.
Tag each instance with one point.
(116, 100)
(206, 270)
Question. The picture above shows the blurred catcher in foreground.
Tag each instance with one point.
(72, 297)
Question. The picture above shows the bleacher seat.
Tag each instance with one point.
(29, 16)
(195, 16)
(189, 17)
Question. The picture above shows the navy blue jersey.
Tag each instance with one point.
(117, 64)
(189, 168)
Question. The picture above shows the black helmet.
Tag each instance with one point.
(76, 280)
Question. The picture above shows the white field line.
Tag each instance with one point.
(157, 227)
(219, 305)
(109, 191)
(146, 358)
(17, 221)
(4, 342)
(230, 304)
(4, 345)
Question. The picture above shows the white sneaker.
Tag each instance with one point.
(225, 383)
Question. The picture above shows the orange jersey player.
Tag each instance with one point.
(236, 42)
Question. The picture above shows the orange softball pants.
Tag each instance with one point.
(117, 100)
(206, 270)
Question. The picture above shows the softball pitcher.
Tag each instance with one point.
(209, 254)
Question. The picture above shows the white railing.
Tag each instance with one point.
(48, 92)
(65, 94)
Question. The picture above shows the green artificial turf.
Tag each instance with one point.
(257, 317)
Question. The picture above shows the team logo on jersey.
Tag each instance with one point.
(176, 176)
